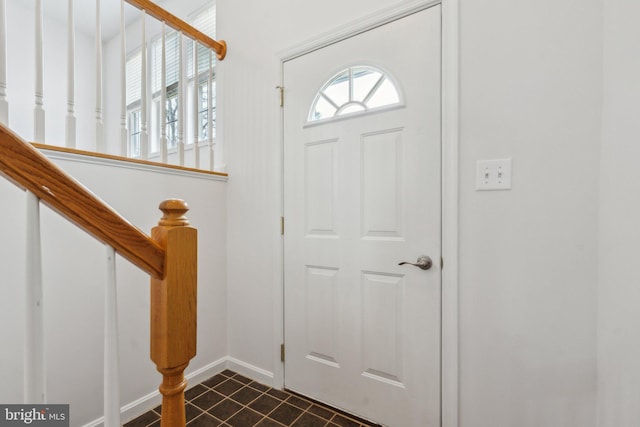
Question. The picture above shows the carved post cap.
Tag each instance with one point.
(173, 213)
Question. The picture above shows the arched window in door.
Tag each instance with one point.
(357, 89)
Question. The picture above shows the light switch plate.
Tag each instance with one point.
(493, 174)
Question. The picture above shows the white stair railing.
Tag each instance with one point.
(34, 363)
(164, 154)
(124, 134)
(38, 112)
(100, 146)
(70, 129)
(4, 105)
(111, 347)
(194, 106)
(144, 114)
(34, 352)
(152, 123)
(210, 110)
(181, 99)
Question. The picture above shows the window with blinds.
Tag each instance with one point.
(205, 21)
(172, 60)
(134, 78)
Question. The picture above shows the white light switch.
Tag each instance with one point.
(493, 174)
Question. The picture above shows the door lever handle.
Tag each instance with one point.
(423, 263)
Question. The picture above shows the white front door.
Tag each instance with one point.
(362, 193)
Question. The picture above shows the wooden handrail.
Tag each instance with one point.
(178, 24)
(29, 169)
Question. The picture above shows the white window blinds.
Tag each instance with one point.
(204, 21)
(134, 78)
(172, 57)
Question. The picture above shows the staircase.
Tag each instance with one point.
(168, 255)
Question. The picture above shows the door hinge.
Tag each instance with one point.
(281, 89)
(282, 225)
(282, 352)
(441, 263)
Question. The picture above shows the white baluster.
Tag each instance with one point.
(210, 110)
(181, 100)
(38, 113)
(99, 125)
(163, 97)
(4, 105)
(144, 133)
(123, 85)
(70, 130)
(196, 118)
(34, 366)
(111, 348)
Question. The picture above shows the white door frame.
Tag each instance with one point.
(450, 103)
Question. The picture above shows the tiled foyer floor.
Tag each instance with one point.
(229, 399)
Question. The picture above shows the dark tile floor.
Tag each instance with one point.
(231, 400)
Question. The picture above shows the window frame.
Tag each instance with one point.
(339, 114)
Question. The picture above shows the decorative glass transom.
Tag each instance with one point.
(355, 90)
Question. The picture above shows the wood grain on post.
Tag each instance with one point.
(174, 308)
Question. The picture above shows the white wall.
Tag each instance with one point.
(21, 77)
(74, 269)
(531, 90)
(619, 278)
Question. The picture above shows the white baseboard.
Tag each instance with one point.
(250, 371)
(206, 372)
(153, 399)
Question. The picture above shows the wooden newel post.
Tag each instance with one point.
(173, 308)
